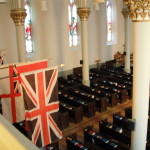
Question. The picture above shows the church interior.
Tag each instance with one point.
(74, 74)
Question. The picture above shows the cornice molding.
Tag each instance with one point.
(83, 13)
(18, 16)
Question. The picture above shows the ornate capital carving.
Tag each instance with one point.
(83, 13)
(126, 13)
(18, 16)
(139, 10)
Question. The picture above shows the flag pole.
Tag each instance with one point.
(9, 76)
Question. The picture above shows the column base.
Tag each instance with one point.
(127, 70)
(86, 82)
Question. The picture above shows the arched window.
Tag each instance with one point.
(73, 23)
(109, 20)
(28, 35)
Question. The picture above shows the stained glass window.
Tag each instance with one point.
(28, 35)
(73, 23)
(109, 20)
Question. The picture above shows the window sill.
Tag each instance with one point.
(109, 43)
(75, 48)
(29, 55)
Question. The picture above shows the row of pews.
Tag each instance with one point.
(110, 136)
(108, 88)
(78, 101)
(104, 73)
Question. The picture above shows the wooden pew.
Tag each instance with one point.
(117, 71)
(111, 97)
(63, 119)
(113, 73)
(78, 78)
(124, 122)
(73, 144)
(61, 86)
(121, 121)
(122, 94)
(125, 82)
(101, 103)
(128, 84)
(75, 113)
(115, 132)
(75, 78)
(128, 112)
(90, 136)
(109, 82)
(67, 83)
(88, 107)
(53, 146)
(100, 72)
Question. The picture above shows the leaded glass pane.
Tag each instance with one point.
(73, 23)
(109, 21)
(28, 36)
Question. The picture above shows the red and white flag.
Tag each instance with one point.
(10, 91)
(40, 93)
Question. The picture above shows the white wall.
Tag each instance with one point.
(50, 34)
(7, 35)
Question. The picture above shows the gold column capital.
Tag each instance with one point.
(18, 16)
(139, 10)
(126, 13)
(83, 13)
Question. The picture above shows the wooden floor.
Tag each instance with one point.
(93, 121)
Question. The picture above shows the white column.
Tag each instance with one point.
(84, 13)
(18, 14)
(20, 34)
(141, 73)
(127, 44)
(85, 66)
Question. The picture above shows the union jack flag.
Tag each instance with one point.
(40, 92)
(10, 91)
